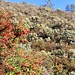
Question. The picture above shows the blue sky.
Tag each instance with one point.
(57, 3)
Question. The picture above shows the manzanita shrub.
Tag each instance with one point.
(15, 60)
(21, 63)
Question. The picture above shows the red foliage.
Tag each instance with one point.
(10, 67)
(20, 72)
(9, 30)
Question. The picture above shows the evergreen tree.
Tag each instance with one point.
(70, 8)
(49, 4)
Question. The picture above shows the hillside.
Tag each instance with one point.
(36, 40)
